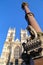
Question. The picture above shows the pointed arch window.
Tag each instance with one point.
(17, 52)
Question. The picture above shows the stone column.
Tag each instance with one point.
(30, 17)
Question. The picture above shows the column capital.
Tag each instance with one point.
(24, 4)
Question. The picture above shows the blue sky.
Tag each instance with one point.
(12, 15)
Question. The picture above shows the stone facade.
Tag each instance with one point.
(12, 48)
